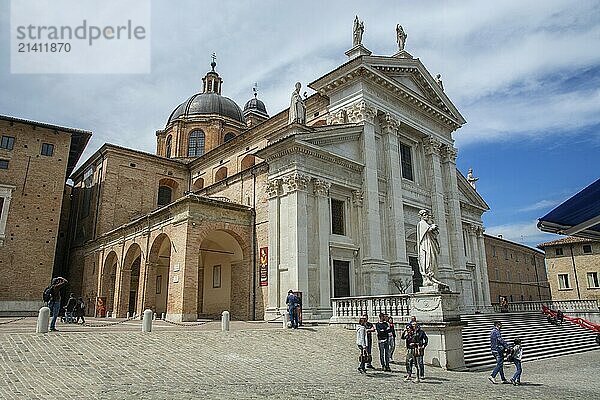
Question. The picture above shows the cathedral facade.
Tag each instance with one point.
(237, 207)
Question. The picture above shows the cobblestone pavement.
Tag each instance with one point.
(250, 362)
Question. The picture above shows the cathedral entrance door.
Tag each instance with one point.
(341, 278)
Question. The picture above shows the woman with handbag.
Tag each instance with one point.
(361, 342)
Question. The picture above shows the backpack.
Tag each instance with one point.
(47, 296)
(510, 356)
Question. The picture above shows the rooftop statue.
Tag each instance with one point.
(400, 37)
(357, 32)
(297, 112)
(471, 179)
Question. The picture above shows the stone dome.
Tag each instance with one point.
(208, 103)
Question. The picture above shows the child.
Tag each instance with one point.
(517, 355)
(361, 342)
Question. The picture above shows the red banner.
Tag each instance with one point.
(263, 266)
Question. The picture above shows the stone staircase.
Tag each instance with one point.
(540, 339)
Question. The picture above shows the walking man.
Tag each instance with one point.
(383, 334)
(498, 345)
(54, 303)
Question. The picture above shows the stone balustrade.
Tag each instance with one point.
(350, 309)
(563, 305)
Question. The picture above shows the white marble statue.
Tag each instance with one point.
(400, 37)
(357, 31)
(429, 249)
(471, 179)
(438, 80)
(297, 112)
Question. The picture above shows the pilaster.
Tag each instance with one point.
(274, 191)
(485, 282)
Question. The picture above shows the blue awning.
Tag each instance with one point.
(578, 216)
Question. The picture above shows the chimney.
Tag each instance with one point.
(500, 236)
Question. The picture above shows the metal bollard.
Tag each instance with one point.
(147, 322)
(43, 320)
(286, 319)
(225, 321)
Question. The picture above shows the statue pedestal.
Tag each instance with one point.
(438, 314)
(357, 51)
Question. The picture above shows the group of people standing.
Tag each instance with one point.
(74, 310)
(415, 340)
(500, 350)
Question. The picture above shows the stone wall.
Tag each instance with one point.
(34, 183)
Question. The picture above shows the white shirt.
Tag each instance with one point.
(361, 336)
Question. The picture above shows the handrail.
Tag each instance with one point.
(576, 320)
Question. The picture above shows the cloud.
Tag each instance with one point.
(540, 205)
(521, 232)
(508, 66)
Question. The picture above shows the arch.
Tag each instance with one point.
(199, 184)
(196, 143)
(221, 174)
(130, 281)
(222, 266)
(157, 279)
(228, 137)
(168, 146)
(248, 161)
(107, 284)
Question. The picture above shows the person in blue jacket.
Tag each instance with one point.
(498, 345)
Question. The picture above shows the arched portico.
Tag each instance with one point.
(157, 279)
(129, 281)
(108, 281)
(224, 278)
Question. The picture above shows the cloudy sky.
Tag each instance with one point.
(526, 76)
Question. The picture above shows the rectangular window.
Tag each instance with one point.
(217, 276)
(7, 142)
(559, 251)
(3, 164)
(592, 278)
(337, 217)
(158, 284)
(47, 149)
(406, 161)
(563, 281)
(587, 248)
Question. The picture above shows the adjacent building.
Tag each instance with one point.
(515, 271)
(573, 268)
(35, 160)
(238, 206)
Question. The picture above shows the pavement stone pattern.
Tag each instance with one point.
(253, 361)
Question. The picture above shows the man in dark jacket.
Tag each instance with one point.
(498, 345)
(292, 303)
(421, 341)
(54, 303)
(383, 335)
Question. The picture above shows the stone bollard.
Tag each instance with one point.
(43, 320)
(147, 322)
(154, 317)
(127, 314)
(162, 316)
(286, 319)
(225, 321)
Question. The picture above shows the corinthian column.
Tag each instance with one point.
(321, 190)
(432, 150)
(399, 268)
(376, 271)
(274, 191)
(295, 244)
